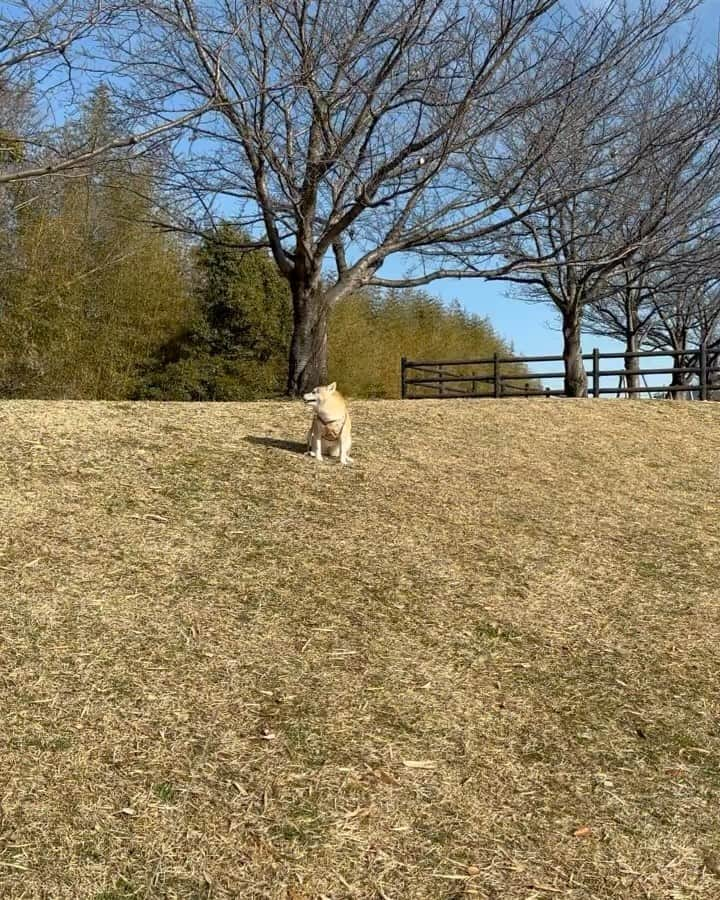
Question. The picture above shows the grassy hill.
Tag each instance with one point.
(483, 662)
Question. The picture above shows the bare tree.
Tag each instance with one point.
(649, 134)
(626, 312)
(350, 133)
(686, 317)
(52, 52)
(647, 287)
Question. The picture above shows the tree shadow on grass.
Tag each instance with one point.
(278, 443)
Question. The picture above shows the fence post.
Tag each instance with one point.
(596, 372)
(441, 383)
(496, 375)
(703, 371)
(403, 386)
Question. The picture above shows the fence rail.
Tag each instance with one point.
(441, 378)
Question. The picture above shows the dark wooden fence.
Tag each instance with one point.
(447, 379)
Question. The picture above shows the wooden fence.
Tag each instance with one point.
(447, 379)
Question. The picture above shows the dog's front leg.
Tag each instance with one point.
(317, 445)
(345, 457)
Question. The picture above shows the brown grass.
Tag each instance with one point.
(482, 662)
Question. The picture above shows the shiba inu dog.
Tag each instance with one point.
(330, 432)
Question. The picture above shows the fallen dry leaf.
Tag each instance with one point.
(385, 776)
(294, 893)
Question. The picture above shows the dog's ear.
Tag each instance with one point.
(331, 387)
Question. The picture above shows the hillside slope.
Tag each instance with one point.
(481, 662)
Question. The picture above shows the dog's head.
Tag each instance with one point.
(319, 395)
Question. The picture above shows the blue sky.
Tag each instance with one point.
(531, 328)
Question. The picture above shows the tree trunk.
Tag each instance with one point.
(679, 380)
(575, 377)
(308, 347)
(713, 377)
(632, 363)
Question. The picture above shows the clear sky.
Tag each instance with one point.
(531, 328)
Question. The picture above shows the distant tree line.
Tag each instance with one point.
(199, 198)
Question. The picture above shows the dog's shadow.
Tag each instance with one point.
(278, 443)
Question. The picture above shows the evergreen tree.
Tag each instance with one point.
(237, 348)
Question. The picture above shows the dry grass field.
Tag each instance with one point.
(482, 662)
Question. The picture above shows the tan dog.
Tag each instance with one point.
(331, 431)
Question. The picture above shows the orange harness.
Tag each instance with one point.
(332, 430)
